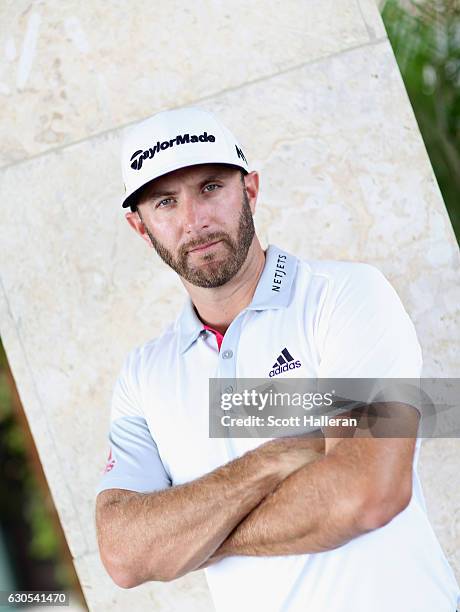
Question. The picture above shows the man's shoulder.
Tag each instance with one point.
(341, 275)
(148, 352)
(336, 269)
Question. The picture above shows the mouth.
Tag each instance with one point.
(204, 247)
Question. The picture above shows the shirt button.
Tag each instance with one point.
(228, 389)
(227, 354)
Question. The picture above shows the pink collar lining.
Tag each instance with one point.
(219, 336)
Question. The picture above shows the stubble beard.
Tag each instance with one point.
(216, 272)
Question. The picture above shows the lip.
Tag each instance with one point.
(204, 247)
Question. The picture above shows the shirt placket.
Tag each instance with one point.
(226, 367)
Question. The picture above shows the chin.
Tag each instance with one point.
(207, 262)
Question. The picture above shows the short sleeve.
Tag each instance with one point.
(367, 332)
(134, 462)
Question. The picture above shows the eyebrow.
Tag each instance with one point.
(202, 183)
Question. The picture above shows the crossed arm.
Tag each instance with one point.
(359, 484)
(289, 496)
(326, 503)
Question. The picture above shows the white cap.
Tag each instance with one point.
(175, 139)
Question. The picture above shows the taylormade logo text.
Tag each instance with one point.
(138, 157)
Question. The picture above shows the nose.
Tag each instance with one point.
(195, 214)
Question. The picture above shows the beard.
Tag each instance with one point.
(215, 272)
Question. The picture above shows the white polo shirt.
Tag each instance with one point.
(338, 320)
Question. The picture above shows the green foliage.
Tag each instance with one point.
(425, 37)
(5, 396)
(21, 497)
(44, 543)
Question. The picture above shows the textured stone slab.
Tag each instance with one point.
(53, 455)
(371, 16)
(70, 70)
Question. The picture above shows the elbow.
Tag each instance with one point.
(118, 572)
(125, 575)
(126, 580)
(130, 567)
(377, 511)
(121, 578)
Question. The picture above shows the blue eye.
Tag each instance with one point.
(161, 202)
(211, 185)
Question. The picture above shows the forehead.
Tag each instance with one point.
(190, 175)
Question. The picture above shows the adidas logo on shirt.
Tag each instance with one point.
(284, 362)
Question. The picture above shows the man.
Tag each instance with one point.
(298, 523)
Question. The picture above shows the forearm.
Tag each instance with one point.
(300, 516)
(319, 507)
(165, 534)
(160, 535)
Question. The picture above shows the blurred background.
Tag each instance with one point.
(425, 36)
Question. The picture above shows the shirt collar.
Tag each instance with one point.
(275, 283)
(190, 326)
(273, 291)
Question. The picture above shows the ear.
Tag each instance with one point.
(138, 226)
(251, 181)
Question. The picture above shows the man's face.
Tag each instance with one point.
(199, 221)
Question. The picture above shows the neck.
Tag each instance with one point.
(218, 307)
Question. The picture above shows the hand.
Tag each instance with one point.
(289, 454)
